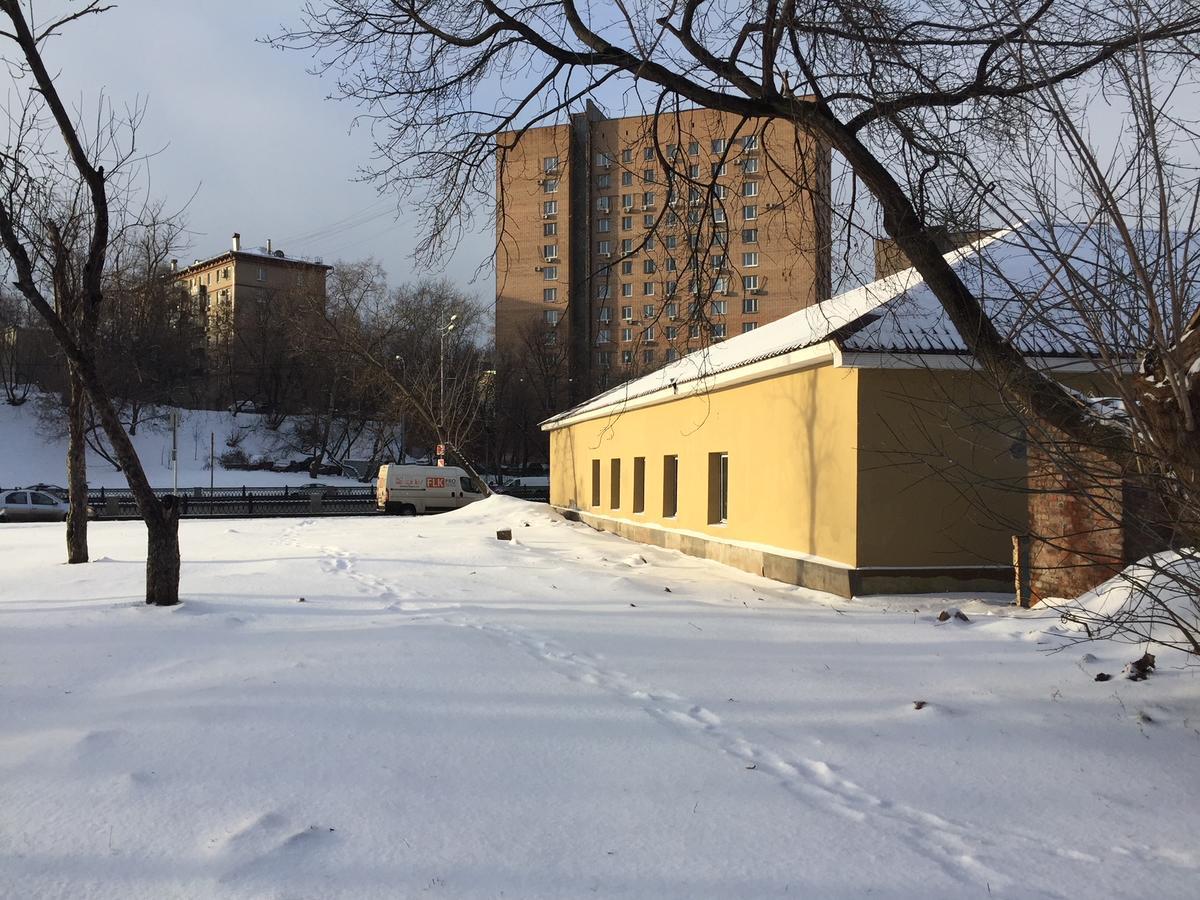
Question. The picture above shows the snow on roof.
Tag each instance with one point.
(278, 255)
(1030, 279)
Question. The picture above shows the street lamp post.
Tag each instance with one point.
(444, 328)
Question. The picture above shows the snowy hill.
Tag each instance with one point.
(29, 456)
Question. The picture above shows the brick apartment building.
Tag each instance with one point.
(625, 243)
(243, 290)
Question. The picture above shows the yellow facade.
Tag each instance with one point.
(791, 442)
(853, 480)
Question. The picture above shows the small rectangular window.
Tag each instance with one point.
(550, 186)
(749, 305)
(639, 484)
(549, 163)
(603, 225)
(595, 483)
(614, 484)
(670, 485)
(718, 488)
(603, 181)
(549, 229)
(749, 213)
(719, 145)
(550, 295)
(750, 258)
(750, 189)
(550, 208)
(750, 166)
(550, 273)
(748, 327)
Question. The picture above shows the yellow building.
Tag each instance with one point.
(848, 447)
(248, 290)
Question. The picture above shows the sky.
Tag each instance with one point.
(243, 137)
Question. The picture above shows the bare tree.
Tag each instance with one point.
(46, 164)
(422, 344)
(149, 338)
(903, 94)
(17, 374)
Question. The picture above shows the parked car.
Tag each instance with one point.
(32, 506)
(60, 492)
(319, 489)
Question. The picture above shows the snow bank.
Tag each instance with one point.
(1146, 601)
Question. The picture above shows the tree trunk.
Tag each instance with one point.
(77, 514)
(162, 555)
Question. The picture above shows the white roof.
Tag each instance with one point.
(1029, 280)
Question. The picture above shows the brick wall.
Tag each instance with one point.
(1075, 521)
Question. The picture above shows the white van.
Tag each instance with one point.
(416, 490)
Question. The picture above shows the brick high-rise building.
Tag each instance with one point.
(623, 243)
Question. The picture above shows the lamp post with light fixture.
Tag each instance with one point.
(444, 328)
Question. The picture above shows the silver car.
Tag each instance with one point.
(31, 506)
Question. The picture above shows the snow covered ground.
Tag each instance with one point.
(565, 715)
(27, 456)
